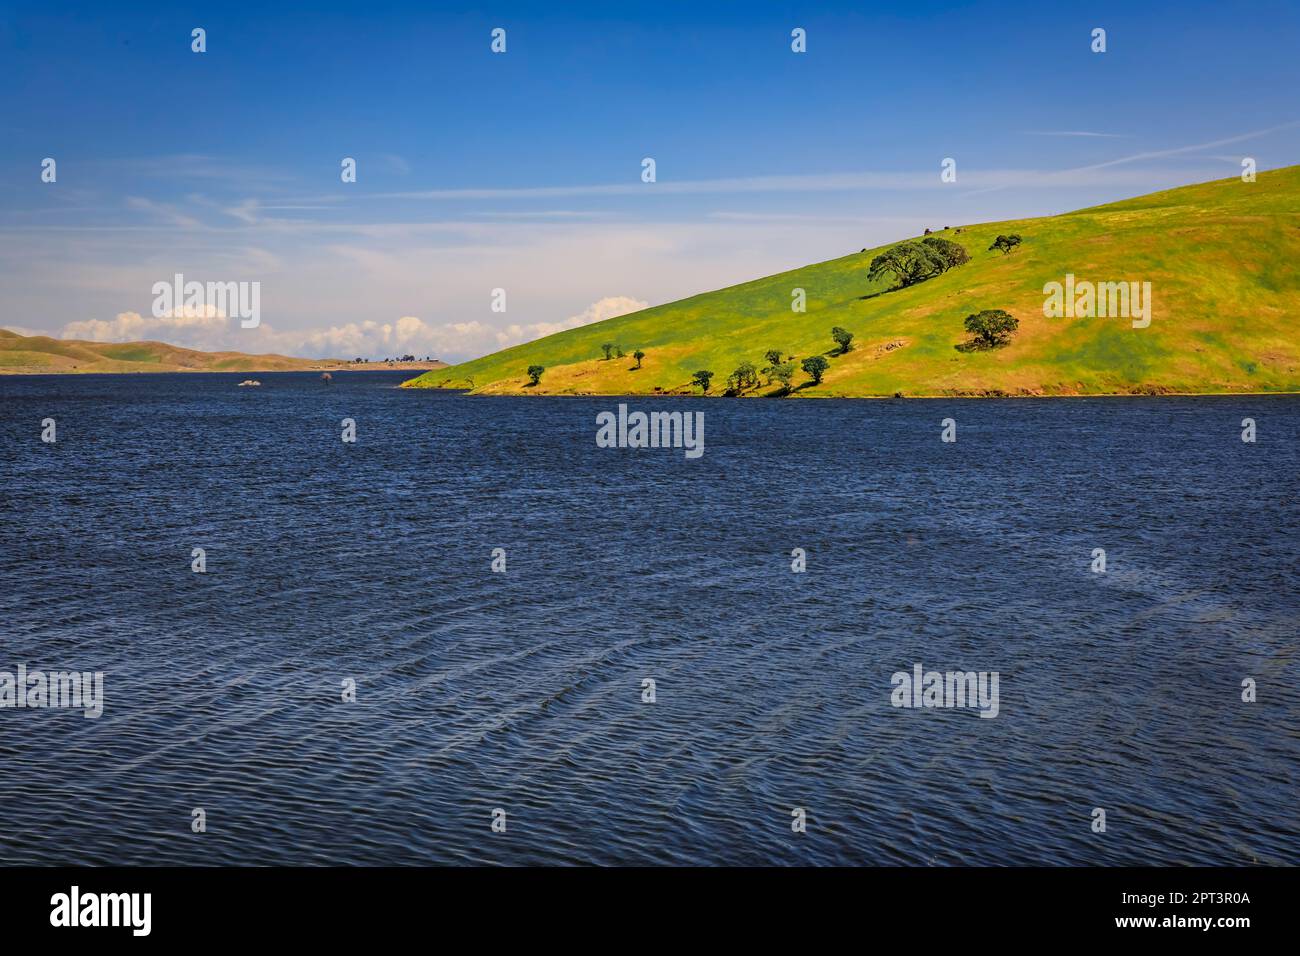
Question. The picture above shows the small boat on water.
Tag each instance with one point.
(249, 381)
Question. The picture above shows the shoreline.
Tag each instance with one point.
(901, 398)
(989, 394)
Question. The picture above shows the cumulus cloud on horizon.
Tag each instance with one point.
(607, 308)
(211, 331)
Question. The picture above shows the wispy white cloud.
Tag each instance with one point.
(1077, 174)
(1183, 150)
(246, 211)
(167, 212)
(811, 218)
(394, 163)
(1076, 133)
(197, 166)
(851, 182)
(815, 182)
(558, 214)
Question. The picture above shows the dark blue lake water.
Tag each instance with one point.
(523, 691)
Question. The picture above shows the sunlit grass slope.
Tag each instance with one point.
(1223, 260)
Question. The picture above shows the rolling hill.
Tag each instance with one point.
(1223, 260)
(36, 354)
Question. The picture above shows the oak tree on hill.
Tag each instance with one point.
(913, 262)
(992, 327)
(816, 366)
(908, 262)
(783, 372)
(745, 376)
(1005, 243)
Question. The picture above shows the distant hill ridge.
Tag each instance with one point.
(42, 354)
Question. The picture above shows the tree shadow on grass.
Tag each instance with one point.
(979, 345)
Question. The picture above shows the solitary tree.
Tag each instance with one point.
(638, 355)
(1005, 243)
(608, 347)
(816, 366)
(702, 379)
(535, 373)
(783, 372)
(843, 338)
(992, 327)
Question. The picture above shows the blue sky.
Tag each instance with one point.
(522, 170)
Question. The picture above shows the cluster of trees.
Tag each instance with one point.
(909, 263)
(745, 376)
(780, 368)
(398, 358)
(913, 262)
(1005, 243)
(616, 351)
(777, 370)
(535, 371)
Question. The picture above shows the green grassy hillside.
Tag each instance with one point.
(1223, 260)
